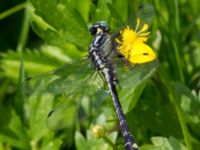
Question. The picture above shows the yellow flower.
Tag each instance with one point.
(132, 45)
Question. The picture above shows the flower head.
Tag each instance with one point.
(98, 131)
(132, 44)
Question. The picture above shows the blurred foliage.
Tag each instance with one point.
(163, 112)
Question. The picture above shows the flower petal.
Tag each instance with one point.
(144, 28)
(137, 24)
(141, 53)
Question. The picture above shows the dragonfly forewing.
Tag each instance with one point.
(78, 101)
(68, 77)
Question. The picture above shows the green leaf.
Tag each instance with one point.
(19, 100)
(38, 106)
(12, 130)
(133, 82)
(36, 62)
(189, 102)
(115, 14)
(83, 7)
(59, 28)
(81, 143)
(162, 143)
(167, 144)
(100, 11)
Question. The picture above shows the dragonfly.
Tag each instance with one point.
(106, 55)
(101, 54)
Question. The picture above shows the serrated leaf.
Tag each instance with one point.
(59, 28)
(12, 130)
(38, 106)
(167, 144)
(36, 62)
(162, 143)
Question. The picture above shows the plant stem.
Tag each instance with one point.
(177, 55)
(177, 41)
(177, 22)
(12, 10)
(24, 30)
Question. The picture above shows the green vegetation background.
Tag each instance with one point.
(39, 35)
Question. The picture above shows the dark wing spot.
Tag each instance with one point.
(145, 54)
(141, 6)
(29, 78)
(50, 113)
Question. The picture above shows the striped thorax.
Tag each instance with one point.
(101, 50)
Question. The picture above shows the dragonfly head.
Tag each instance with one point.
(100, 26)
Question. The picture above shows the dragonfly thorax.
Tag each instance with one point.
(101, 50)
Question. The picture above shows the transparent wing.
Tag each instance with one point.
(145, 11)
(80, 91)
(66, 78)
(132, 80)
(79, 105)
